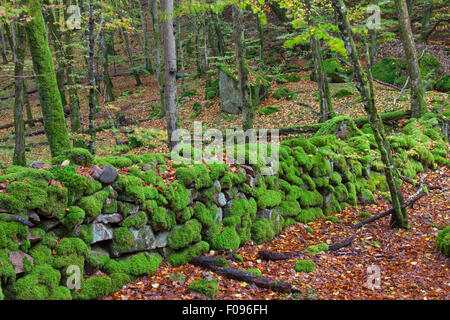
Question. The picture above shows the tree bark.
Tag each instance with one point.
(427, 12)
(130, 58)
(91, 74)
(18, 37)
(50, 98)
(147, 62)
(170, 70)
(418, 106)
(4, 56)
(365, 87)
(239, 45)
(153, 6)
(107, 82)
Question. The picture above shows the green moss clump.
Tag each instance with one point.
(267, 198)
(93, 205)
(94, 288)
(204, 286)
(162, 219)
(335, 178)
(32, 197)
(56, 201)
(70, 251)
(14, 233)
(11, 204)
(41, 254)
(141, 264)
(338, 124)
(366, 196)
(262, 231)
(443, 241)
(304, 266)
(268, 110)
(309, 215)
(443, 84)
(118, 280)
(7, 274)
(255, 272)
(227, 239)
(77, 156)
(177, 196)
(123, 240)
(205, 215)
(290, 208)
(184, 256)
(137, 221)
(182, 236)
(315, 249)
(40, 284)
(119, 162)
(110, 206)
(310, 198)
(198, 175)
(332, 219)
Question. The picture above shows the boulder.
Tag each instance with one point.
(101, 232)
(16, 258)
(109, 218)
(109, 175)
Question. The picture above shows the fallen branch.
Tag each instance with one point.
(274, 256)
(16, 218)
(275, 285)
(419, 194)
(307, 106)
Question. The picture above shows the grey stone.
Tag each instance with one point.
(144, 240)
(217, 186)
(101, 232)
(252, 182)
(147, 167)
(220, 199)
(37, 165)
(109, 218)
(219, 215)
(109, 175)
(264, 214)
(33, 217)
(229, 94)
(16, 258)
(95, 172)
(48, 224)
(161, 239)
(241, 195)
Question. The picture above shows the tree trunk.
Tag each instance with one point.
(238, 37)
(18, 37)
(130, 58)
(261, 40)
(50, 98)
(153, 6)
(107, 82)
(418, 106)
(180, 57)
(365, 87)
(4, 56)
(147, 62)
(91, 74)
(200, 65)
(170, 70)
(427, 12)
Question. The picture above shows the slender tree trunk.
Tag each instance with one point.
(418, 106)
(170, 70)
(19, 126)
(427, 12)
(92, 83)
(200, 65)
(219, 35)
(261, 40)
(180, 58)
(4, 56)
(147, 62)
(153, 5)
(107, 82)
(365, 87)
(74, 102)
(238, 35)
(52, 110)
(373, 42)
(130, 58)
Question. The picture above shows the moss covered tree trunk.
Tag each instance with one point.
(365, 87)
(170, 70)
(239, 45)
(18, 37)
(92, 82)
(180, 57)
(153, 7)
(50, 98)
(147, 62)
(130, 58)
(4, 49)
(418, 106)
(427, 12)
(107, 82)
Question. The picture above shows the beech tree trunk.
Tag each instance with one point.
(18, 37)
(153, 6)
(427, 12)
(170, 70)
(50, 98)
(147, 62)
(4, 56)
(365, 87)
(92, 82)
(238, 37)
(107, 82)
(418, 106)
(130, 58)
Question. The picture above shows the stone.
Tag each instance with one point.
(109, 175)
(161, 239)
(147, 167)
(101, 232)
(264, 214)
(48, 224)
(229, 94)
(16, 258)
(95, 172)
(33, 217)
(217, 186)
(109, 218)
(39, 165)
(219, 215)
(144, 240)
(241, 195)
(220, 199)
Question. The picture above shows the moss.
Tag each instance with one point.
(366, 197)
(137, 221)
(227, 239)
(61, 293)
(290, 208)
(198, 175)
(332, 219)
(40, 284)
(184, 256)
(342, 93)
(343, 125)
(335, 178)
(268, 110)
(309, 229)
(177, 196)
(141, 264)
(87, 233)
(204, 286)
(184, 215)
(56, 202)
(267, 198)
(205, 215)
(222, 262)
(443, 241)
(255, 272)
(262, 231)
(123, 239)
(321, 167)
(2, 296)
(309, 215)
(7, 274)
(93, 205)
(50, 239)
(41, 254)
(15, 233)
(364, 214)
(119, 162)
(182, 236)
(443, 84)
(32, 197)
(315, 249)
(304, 266)
(94, 288)
(218, 170)
(110, 206)
(310, 198)
(119, 280)
(162, 219)
(3, 238)
(77, 156)
(11, 204)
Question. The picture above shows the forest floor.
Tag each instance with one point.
(409, 264)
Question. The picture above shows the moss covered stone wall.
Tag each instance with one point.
(123, 215)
